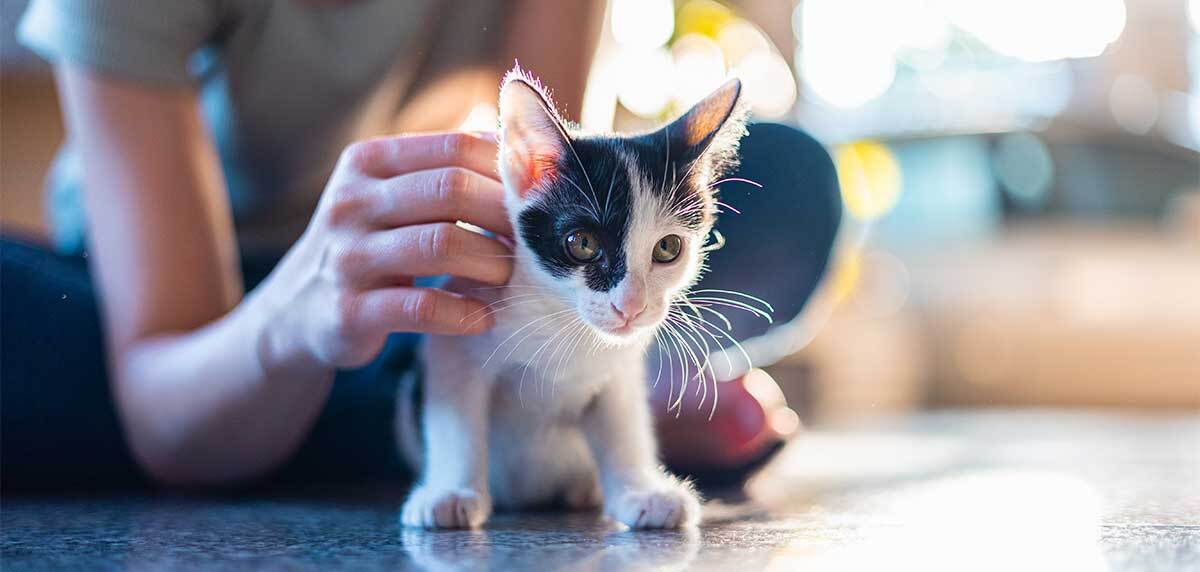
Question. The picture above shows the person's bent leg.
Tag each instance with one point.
(779, 231)
(354, 439)
(59, 427)
(58, 423)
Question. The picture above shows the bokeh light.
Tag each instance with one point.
(664, 62)
(740, 39)
(845, 59)
(1023, 165)
(704, 17)
(869, 175)
(848, 50)
(919, 24)
(642, 24)
(699, 68)
(1193, 9)
(645, 86)
(769, 84)
(1133, 103)
(768, 81)
(1041, 30)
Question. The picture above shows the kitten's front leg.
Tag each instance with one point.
(453, 491)
(637, 490)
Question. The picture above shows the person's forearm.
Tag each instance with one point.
(556, 41)
(217, 405)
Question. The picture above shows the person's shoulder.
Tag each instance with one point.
(142, 39)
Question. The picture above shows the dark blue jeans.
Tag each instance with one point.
(58, 424)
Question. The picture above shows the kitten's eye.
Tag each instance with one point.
(667, 249)
(582, 246)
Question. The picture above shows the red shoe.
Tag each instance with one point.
(750, 425)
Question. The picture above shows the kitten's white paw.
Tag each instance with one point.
(446, 508)
(671, 506)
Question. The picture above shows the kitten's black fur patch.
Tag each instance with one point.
(562, 208)
(590, 185)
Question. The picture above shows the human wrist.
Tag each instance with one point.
(279, 346)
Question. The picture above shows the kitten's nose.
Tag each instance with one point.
(629, 310)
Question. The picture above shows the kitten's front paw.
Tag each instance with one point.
(673, 505)
(446, 508)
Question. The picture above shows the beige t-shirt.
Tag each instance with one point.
(285, 84)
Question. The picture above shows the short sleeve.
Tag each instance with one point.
(143, 39)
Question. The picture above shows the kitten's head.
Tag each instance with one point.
(614, 224)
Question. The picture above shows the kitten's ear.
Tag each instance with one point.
(715, 122)
(532, 138)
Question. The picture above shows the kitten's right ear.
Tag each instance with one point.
(532, 139)
(712, 128)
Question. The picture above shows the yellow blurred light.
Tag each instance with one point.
(846, 276)
(699, 68)
(870, 179)
(642, 24)
(704, 17)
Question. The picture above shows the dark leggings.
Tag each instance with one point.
(58, 423)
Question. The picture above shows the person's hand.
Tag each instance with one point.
(388, 215)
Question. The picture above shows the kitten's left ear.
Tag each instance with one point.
(532, 139)
(716, 123)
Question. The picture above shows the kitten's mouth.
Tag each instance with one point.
(616, 333)
(623, 330)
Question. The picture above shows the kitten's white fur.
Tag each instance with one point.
(551, 403)
(571, 423)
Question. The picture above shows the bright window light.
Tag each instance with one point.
(846, 58)
(644, 24)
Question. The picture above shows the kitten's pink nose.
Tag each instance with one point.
(629, 310)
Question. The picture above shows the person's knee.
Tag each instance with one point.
(784, 156)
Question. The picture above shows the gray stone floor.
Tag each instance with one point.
(1016, 490)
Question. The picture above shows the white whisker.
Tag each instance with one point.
(519, 330)
(697, 308)
(705, 302)
(588, 179)
(593, 205)
(736, 293)
(608, 198)
(735, 180)
(717, 342)
(534, 357)
(494, 307)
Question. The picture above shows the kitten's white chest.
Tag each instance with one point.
(548, 364)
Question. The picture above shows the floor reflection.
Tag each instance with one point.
(974, 491)
(551, 542)
(977, 520)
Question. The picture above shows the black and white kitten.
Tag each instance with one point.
(551, 404)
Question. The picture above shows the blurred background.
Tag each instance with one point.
(1021, 180)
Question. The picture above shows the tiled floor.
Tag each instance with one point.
(954, 491)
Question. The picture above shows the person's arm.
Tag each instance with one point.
(212, 388)
(556, 40)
